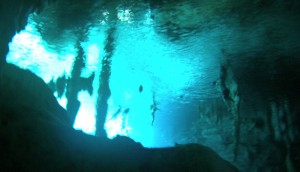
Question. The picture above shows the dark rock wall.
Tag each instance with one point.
(36, 135)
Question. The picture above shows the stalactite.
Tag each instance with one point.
(229, 90)
(282, 129)
(237, 131)
(104, 90)
(73, 86)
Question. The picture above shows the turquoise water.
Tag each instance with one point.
(164, 61)
(172, 73)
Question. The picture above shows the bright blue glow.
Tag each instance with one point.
(27, 50)
(125, 15)
(85, 119)
(92, 60)
(141, 57)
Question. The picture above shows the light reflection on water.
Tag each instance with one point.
(174, 73)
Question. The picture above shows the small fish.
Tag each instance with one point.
(126, 111)
(140, 88)
(116, 113)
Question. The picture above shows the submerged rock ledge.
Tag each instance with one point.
(35, 135)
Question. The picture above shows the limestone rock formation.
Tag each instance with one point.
(36, 135)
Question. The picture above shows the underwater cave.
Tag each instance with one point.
(145, 85)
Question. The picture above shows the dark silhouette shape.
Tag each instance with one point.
(116, 113)
(87, 83)
(51, 85)
(229, 90)
(73, 84)
(141, 88)
(126, 111)
(104, 90)
(153, 108)
(61, 85)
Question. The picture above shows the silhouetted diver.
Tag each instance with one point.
(153, 108)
